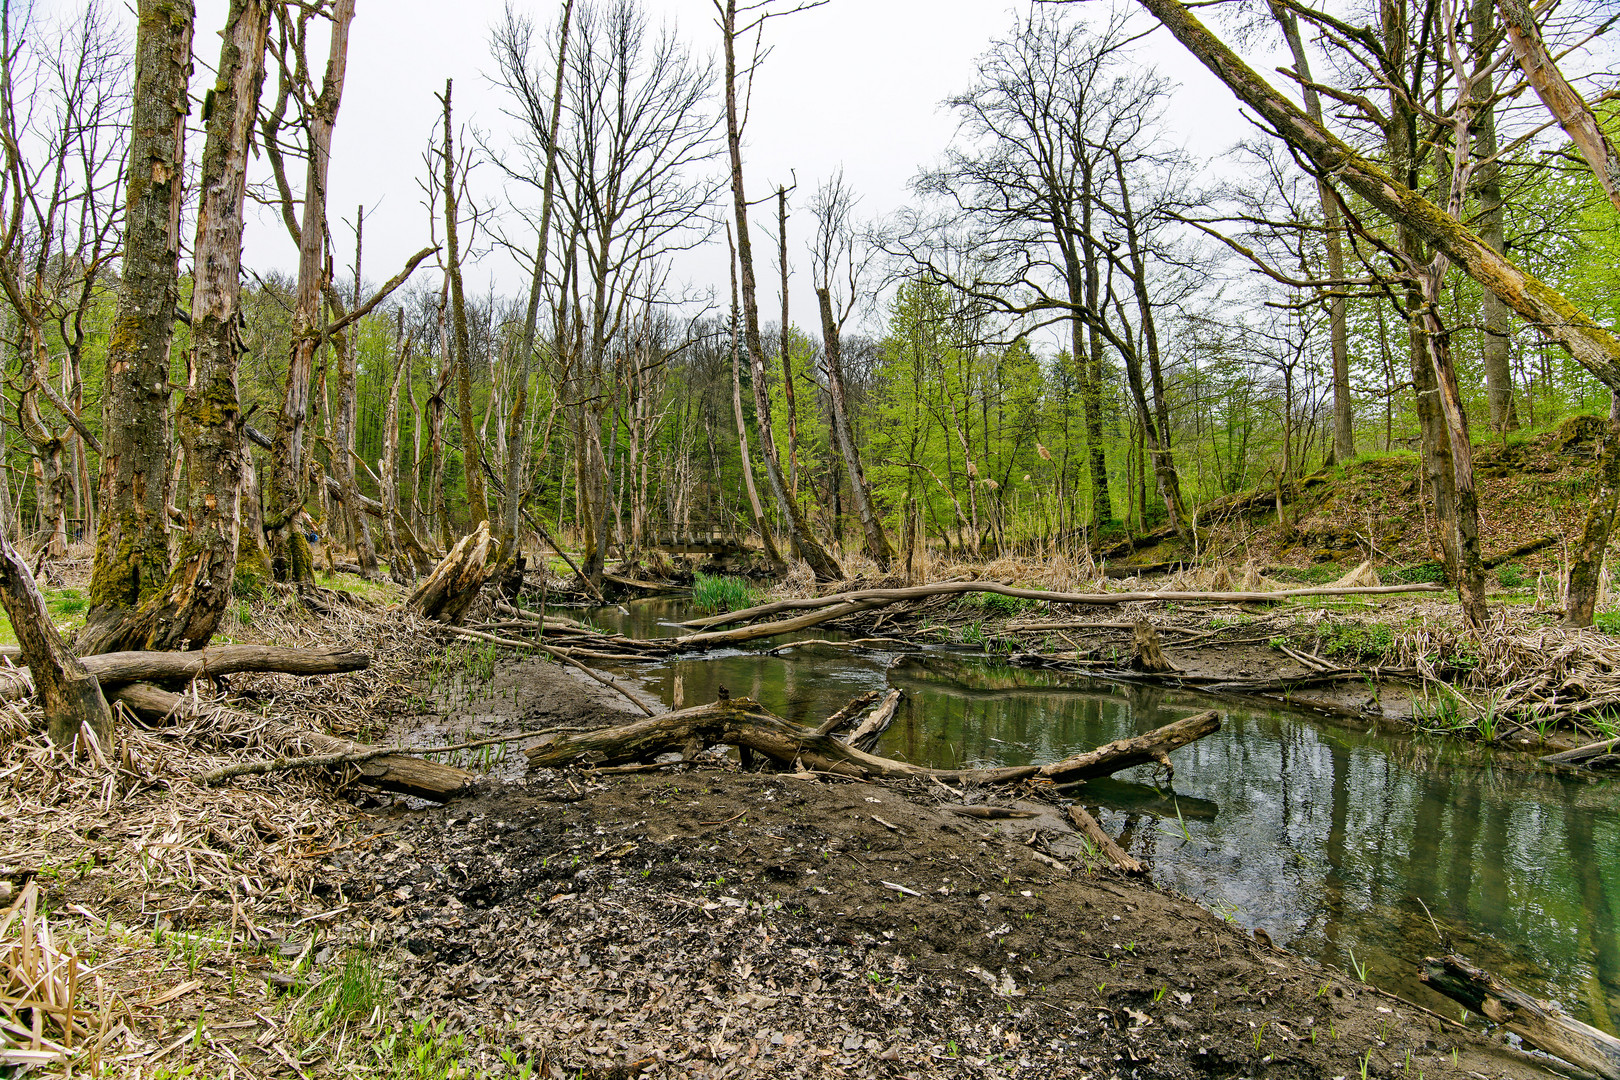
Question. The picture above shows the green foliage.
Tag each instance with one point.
(995, 604)
(1421, 573)
(1357, 640)
(715, 594)
(1607, 621)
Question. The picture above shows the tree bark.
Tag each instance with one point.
(132, 541)
(68, 695)
(1488, 189)
(472, 453)
(290, 556)
(450, 589)
(809, 548)
(1586, 558)
(1344, 434)
(760, 524)
(877, 542)
(787, 358)
(186, 610)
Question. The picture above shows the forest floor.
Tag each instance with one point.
(700, 921)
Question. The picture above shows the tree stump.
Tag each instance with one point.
(450, 589)
(1146, 655)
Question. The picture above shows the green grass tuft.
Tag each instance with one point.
(715, 593)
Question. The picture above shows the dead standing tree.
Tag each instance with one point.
(288, 484)
(132, 541)
(837, 266)
(822, 564)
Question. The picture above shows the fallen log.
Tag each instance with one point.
(450, 589)
(745, 724)
(1584, 755)
(112, 669)
(781, 626)
(871, 729)
(391, 771)
(952, 588)
(1105, 843)
(1154, 746)
(1539, 1023)
(842, 716)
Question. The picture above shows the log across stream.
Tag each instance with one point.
(1321, 833)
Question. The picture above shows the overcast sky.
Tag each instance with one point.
(855, 83)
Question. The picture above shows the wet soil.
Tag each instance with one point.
(705, 921)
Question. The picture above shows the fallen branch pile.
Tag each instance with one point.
(745, 724)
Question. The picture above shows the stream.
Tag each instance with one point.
(1327, 835)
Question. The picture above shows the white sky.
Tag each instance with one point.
(856, 83)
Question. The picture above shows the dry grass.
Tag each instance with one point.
(141, 861)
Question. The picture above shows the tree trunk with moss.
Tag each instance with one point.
(290, 556)
(185, 612)
(132, 547)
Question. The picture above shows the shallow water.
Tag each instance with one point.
(1325, 835)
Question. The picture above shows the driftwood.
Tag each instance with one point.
(318, 761)
(870, 730)
(843, 716)
(745, 724)
(828, 612)
(112, 669)
(1539, 1023)
(953, 588)
(1146, 655)
(1116, 854)
(990, 813)
(450, 589)
(1591, 756)
(391, 771)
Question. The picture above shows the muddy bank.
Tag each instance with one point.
(708, 922)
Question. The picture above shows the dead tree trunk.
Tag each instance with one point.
(877, 541)
(823, 565)
(472, 453)
(132, 541)
(1146, 655)
(450, 589)
(1539, 1023)
(290, 555)
(760, 524)
(185, 611)
(68, 694)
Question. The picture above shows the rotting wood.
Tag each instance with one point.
(450, 589)
(951, 588)
(1116, 854)
(316, 761)
(121, 667)
(990, 813)
(781, 626)
(390, 772)
(1539, 1023)
(1146, 655)
(1584, 755)
(842, 716)
(745, 724)
(870, 730)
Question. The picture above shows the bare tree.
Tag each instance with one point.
(838, 266)
(822, 564)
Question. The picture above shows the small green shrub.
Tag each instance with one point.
(1420, 574)
(1357, 640)
(1607, 621)
(715, 593)
(1511, 576)
(994, 604)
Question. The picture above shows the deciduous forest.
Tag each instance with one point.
(442, 666)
